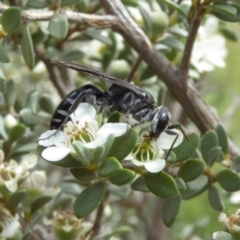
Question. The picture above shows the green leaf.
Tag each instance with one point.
(82, 174)
(208, 141)
(191, 170)
(140, 185)
(37, 4)
(228, 13)
(32, 101)
(4, 58)
(161, 184)
(222, 138)
(122, 177)
(11, 19)
(146, 17)
(215, 155)
(39, 203)
(114, 117)
(236, 164)
(123, 145)
(46, 103)
(27, 48)
(2, 77)
(215, 199)
(89, 199)
(223, 236)
(147, 73)
(82, 152)
(17, 132)
(181, 185)
(72, 55)
(28, 117)
(69, 2)
(21, 149)
(195, 187)
(131, 3)
(187, 148)
(170, 210)
(98, 36)
(228, 180)
(58, 26)
(175, 6)
(172, 42)
(229, 34)
(98, 154)
(109, 167)
(10, 93)
(16, 198)
(222, 8)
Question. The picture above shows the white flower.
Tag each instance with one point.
(209, 48)
(83, 127)
(149, 153)
(11, 172)
(8, 223)
(232, 221)
(37, 180)
(66, 222)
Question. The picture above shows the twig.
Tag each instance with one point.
(187, 53)
(106, 21)
(134, 69)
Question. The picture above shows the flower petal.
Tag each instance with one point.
(47, 138)
(155, 166)
(165, 140)
(97, 142)
(117, 129)
(138, 163)
(84, 113)
(55, 153)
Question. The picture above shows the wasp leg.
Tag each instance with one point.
(170, 149)
(177, 125)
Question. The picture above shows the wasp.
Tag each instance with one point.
(122, 96)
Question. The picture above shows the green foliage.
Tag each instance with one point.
(11, 19)
(28, 100)
(89, 199)
(168, 187)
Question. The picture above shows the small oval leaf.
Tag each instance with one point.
(208, 141)
(4, 58)
(58, 26)
(170, 210)
(109, 167)
(222, 138)
(122, 177)
(16, 198)
(228, 180)
(187, 148)
(46, 103)
(89, 199)
(191, 170)
(161, 184)
(82, 174)
(215, 199)
(27, 48)
(140, 185)
(123, 145)
(17, 132)
(236, 164)
(11, 19)
(195, 187)
(39, 203)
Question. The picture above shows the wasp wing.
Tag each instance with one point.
(100, 75)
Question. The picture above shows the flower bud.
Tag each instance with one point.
(119, 69)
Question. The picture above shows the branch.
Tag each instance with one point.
(187, 94)
(106, 21)
(192, 34)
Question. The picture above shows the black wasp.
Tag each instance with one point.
(121, 96)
